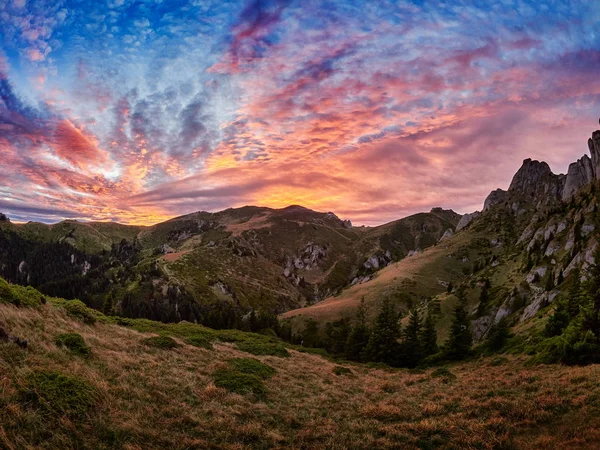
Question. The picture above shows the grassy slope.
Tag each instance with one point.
(154, 398)
(410, 281)
(91, 237)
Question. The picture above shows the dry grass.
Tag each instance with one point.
(153, 398)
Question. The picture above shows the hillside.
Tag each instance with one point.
(212, 268)
(527, 246)
(124, 388)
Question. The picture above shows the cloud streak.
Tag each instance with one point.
(133, 111)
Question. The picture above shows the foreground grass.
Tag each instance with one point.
(140, 396)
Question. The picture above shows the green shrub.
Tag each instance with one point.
(199, 341)
(78, 310)
(240, 383)
(262, 348)
(74, 342)
(443, 372)
(340, 370)
(19, 295)
(252, 366)
(162, 342)
(58, 394)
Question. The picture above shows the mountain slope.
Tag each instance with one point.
(125, 392)
(525, 245)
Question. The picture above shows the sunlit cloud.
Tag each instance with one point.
(138, 112)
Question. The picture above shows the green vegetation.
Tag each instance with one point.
(252, 366)
(57, 394)
(162, 342)
(240, 383)
(73, 342)
(78, 310)
(262, 348)
(341, 370)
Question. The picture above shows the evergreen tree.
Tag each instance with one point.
(310, 335)
(575, 295)
(337, 336)
(411, 344)
(484, 297)
(460, 340)
(359, 335)
(498, 335)
(558, 321)
(450, 287)
(429, 336)
(383, 343)
(561, 278)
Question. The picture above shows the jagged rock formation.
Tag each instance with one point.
(466, 220)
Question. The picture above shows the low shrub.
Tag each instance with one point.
(252, 366)
(20, 295)
(443, 372)
(240, 383)
(162, 342)
(58, 394)
(73, 342)
(341, 370)
(262, 348)
(199, 341)
(78, 310)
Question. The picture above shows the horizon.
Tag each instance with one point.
(136, 112)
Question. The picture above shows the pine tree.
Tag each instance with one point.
(429, 336)
(575, 295)
(359, 335)
(498, 335)
(550, 282)
(411, 344)
(558, 321)
(450, 287)
(460, 341)
(383, 343)
(483, 297)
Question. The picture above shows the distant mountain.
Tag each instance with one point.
(526, 244)
(211, 267)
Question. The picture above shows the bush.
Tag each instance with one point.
(252, 366)
(240, 383)
(58, 394)
(340, 370)
(74, 342)
(443, 372)
(19, 295)
(199, 341)
(260, 348)
(77, 309)
(162, 342)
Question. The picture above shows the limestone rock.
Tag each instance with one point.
(495, 197)
(579, 174)
(466, 220)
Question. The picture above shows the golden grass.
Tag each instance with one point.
(152, 398)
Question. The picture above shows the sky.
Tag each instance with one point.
(141, 110)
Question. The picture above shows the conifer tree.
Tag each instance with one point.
(575, 295)
(429, 336)
(483, 297)
(359, 335)
(383, 343)
(460, 340)
(412, 343)
(498, 335)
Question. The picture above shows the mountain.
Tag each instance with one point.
(526, 245)
(211, 267)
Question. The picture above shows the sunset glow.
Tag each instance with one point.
(138, 111)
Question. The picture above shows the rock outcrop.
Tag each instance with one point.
(496, 197)
(579, 174)
(466, 220)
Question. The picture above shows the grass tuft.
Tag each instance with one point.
(252, 366)
(57, 394)
(162, 342)
(73, 342)
(341, 370)
(240, 383)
